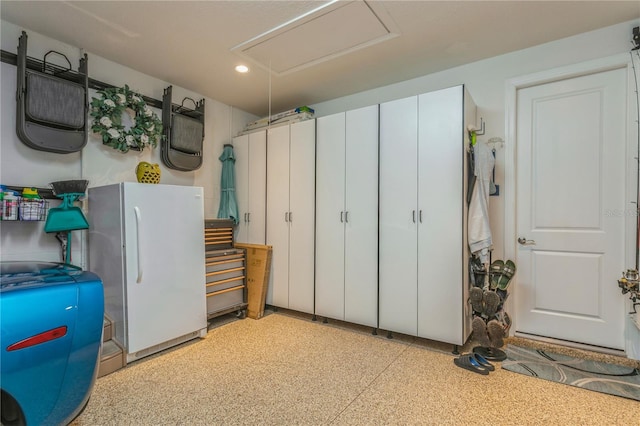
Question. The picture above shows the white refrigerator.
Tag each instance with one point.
(146, 243)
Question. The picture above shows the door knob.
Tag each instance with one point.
(525, 242)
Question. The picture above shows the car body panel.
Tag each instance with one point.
(51, 381)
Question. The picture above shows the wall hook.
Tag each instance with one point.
(495, 142)
(480, 132)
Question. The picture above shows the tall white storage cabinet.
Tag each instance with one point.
(423, 248)
(251, 188)
(291, 215)
(346, 285)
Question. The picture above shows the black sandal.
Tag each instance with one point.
(469, 362)
(483, 361)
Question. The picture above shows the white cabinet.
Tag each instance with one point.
(423, 251)
(251, 190)
(346, 285)
(398, 207)
(291, 215)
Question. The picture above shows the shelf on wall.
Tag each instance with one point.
(46, 193)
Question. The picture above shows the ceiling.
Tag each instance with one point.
(197, 44)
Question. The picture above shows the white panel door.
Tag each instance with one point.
(440, 210)
(241, 150)
(256, 214)
(570, 174)
(251, 173)
(361, 217)
(330, 212)
(398, 215)
(168, 276)
(278, 215)
(302, 215)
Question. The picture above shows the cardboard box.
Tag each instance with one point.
(258, 266)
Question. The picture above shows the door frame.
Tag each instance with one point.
(512, 86)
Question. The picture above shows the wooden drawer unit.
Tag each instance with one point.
(225, 270)
(226, 282)
(218, 234)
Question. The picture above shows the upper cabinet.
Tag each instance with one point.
(423, 251)
(251, 188)
(346, 285)
(291, 215)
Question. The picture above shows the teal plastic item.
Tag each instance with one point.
(67, 217)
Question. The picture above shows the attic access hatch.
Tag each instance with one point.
(326, 32)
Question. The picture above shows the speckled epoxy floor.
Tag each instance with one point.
(287, 370)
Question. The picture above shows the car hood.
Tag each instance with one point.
(15, 275)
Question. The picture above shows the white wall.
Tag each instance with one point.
(23, 166)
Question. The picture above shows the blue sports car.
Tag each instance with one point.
(51, 319)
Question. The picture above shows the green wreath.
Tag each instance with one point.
(107, 113)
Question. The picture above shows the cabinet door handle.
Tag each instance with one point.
(286, 216)
(290, 217)
(414, 216)
(341, 217)
(346, 216)
(248, 217)
(420, 216)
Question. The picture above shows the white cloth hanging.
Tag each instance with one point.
(480, 240)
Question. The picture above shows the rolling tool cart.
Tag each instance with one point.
(226, 281)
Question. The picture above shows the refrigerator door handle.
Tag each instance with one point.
(136, 210)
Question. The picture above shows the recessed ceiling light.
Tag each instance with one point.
(242, 68)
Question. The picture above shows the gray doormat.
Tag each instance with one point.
(583, 373)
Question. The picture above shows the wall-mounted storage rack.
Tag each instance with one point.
(12, 59)
(46, 193)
